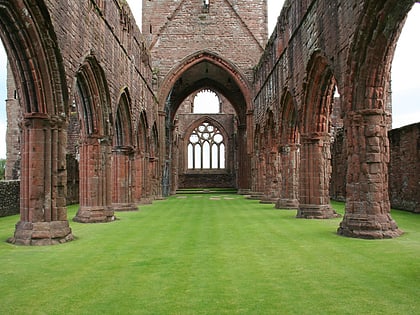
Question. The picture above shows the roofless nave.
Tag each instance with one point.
(121, 103)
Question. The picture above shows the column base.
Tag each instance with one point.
(287, 204)
(243, 191)
(124, 207)
(94, 215)
(316, 212)
(369, 226)
(255, 195)
(268, 200)
(41, 233)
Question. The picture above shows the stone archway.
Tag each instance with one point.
(206, 70)
(37, 67)
(122, 157)
(289, 154)
(92, 100)
(367, 120)
(315, 141)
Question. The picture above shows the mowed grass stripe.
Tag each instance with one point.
(212, 254)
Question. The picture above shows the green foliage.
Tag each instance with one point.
(212, 254)
(2, 168)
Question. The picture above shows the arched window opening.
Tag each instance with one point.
(206, 148)
(206, 102)
(405, 70)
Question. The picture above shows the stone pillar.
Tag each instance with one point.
(95, 188)
(122, 199)
(243, 176)
(314, 178)
(272, 191)
(367, 201)
(289, 177)
(43, 214)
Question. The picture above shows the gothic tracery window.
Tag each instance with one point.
(206, 148)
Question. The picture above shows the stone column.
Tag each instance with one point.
(289, 177)
(314, 178)
(43, 215)
(122, 199)
(95, 188)
(272, 191)
(367, 201)
(243, 176)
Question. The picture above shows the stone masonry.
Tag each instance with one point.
(90, 84)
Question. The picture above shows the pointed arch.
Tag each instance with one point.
(289, 127)
(123, 132)
(29, 39)
(142, 133)
(94, 107)
(93, 99)
(289, 153)
(368, 118)
(315, 156)
(232, 83)
(31, 44)
(122, 159)
(319, 93)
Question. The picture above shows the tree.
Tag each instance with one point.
(2, 168)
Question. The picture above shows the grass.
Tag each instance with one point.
(212, 254)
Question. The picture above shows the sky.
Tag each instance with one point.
(405, 69)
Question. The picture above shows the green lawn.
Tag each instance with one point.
(212, 254)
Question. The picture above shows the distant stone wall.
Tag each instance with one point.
(206, 180)
(404, 168)
(339, 167)
(9, 197)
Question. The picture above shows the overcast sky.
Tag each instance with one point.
(405, 69)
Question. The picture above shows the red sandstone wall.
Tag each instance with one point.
(105, 29)
(13, 111)
(235, 30)
(404, 169)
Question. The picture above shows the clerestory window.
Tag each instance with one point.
(206, 148)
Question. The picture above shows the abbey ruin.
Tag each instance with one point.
(104, 115)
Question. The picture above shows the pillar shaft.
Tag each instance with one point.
(122, 197)
(95, 188)
(367, 200)
(43, 215)
(289, 186)
(314, 178)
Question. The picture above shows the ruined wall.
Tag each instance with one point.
(14, 115)
(404, 168)
(106, 30)
(9, 197)
(235, 30)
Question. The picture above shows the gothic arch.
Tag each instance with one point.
(271, 158)
(31, 45)
(315, 156)
(235, 88)
(93, 100)
(319, 91)
(122, 156)
(367, 120)
(142, 187)
(94, 108)
(205, 69)
(123, 131)
(289, 153)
